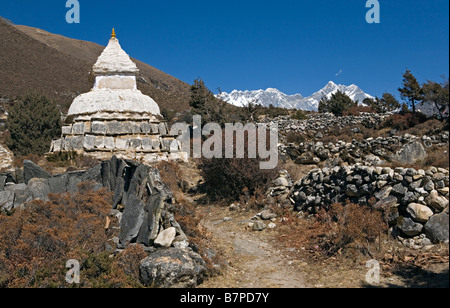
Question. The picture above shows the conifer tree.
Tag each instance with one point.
(33, 123)
(411, 91)
(337, 104)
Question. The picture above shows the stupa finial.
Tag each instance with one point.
(113, 34)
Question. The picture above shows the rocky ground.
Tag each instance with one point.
(258, 259)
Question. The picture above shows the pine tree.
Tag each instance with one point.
(437, 93)
(411, 91)
(337, 104)
(389, 102)
(33, 123)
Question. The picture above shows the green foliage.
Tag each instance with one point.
(299, 115)
(62, 159)
(33, 123)
(337, 104)
(387, 103)
(437, 93)
(227, 179)
(411, 91)
(204, 103)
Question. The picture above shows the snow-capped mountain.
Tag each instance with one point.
(261, 97)
(297, 101)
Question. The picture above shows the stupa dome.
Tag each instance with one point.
(115, 90)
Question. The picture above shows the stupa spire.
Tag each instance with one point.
(113, 34)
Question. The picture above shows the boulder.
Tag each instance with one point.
(172, 268)
(436, 201)
(410, 153)
(259, 226)
(2, 181)
(132, 219)
(419, 212)
(268, 215)
(386, 203)
(31, 170)
(166, 237)
(437, 228)
(6, 200)
(39, 188)
(409, 227)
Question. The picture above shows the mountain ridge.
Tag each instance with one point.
(275, 97)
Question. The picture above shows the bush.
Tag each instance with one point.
(337, 104)
(33, 123)
(357, 110)
(37, 241)
(226, 179)
(354, 226)
(299, 115)
(342, 230)
(404, 121)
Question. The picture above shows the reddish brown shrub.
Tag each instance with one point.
(357, 110)
(404, 121)
(37, 241)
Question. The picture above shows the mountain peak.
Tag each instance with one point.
(275, 97)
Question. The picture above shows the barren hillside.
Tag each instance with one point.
(35, 60)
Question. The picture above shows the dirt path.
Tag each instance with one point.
(253, 260)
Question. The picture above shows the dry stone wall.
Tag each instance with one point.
(415, 201)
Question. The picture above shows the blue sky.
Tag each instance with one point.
(294, 45)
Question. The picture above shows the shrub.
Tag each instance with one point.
(341, 230)
(226, 179)
(33, 123)
(37, 241)
(357, 110)
(297, 137)
(299, 115)
(404, 121)
(337, 104)
(354, 226)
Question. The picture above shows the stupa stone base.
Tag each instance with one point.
(144, 139)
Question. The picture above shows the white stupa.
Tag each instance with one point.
(115, 118)
(115, 90)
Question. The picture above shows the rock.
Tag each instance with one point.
(21, 196)
(409, 227)
(58, 184)
(437, 202)
(384, 193)
(386, 203)
(437, 228)
(373, 160)
(39, 188)
(429, 186)
(268, 215)
(307, 159)
(410, 153)
(352, 191)
(132, 219)
(410, 197)
(271, 226)
(419, 212)
(281, 181)
(172, 268)
(399, 189)
(6, 200)
(31, 170)
(2, 181)
(166, 237)
(259, 226)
